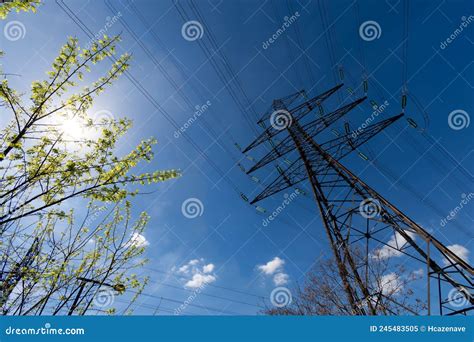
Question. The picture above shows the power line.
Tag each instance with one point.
(224, 73)
(331, 43)
(156, 309)
(438, 164)
(224, 69)
(359, 42)
(209, 295)
(288, 49)
(150, 98)
(211, 285)
(177, 64)
(182, 302)
(227, 64)
(405, 47)
(170, 79)
(346, 222)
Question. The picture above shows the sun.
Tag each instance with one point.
(72, 128)
(75, 128)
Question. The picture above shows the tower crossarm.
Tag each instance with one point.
(377, 248)
(287, 101)
(338, 147)
(297, 113)
(313, 128)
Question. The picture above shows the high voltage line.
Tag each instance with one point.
(354, 214)
(206, 51)
(72, 15)
(240, 291)
(150, 98)
(172, 300)
(171, 80)
(210, 295)
(330, 42)
(307, 149)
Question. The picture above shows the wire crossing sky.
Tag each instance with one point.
(202, 75)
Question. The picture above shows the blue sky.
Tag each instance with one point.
(229, 233)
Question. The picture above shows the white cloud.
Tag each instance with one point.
(397, 241)
(461, 251)
(199, 280)
(194, 262)
(390, 284)
(137, 240)
(417, 274)
(208, 268)
(272, 266)
(200, 273)
(280, 279)
(184, 269)
(275, 268)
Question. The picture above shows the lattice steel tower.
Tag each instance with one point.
(357, 219)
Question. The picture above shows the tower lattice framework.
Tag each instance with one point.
(361, 224)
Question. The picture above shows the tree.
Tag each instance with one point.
(54, 260)
(17, 5)
(41, 165)
(323, 294)
(74, 269)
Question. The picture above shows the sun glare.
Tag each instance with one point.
(76, 128)
(72, 128)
